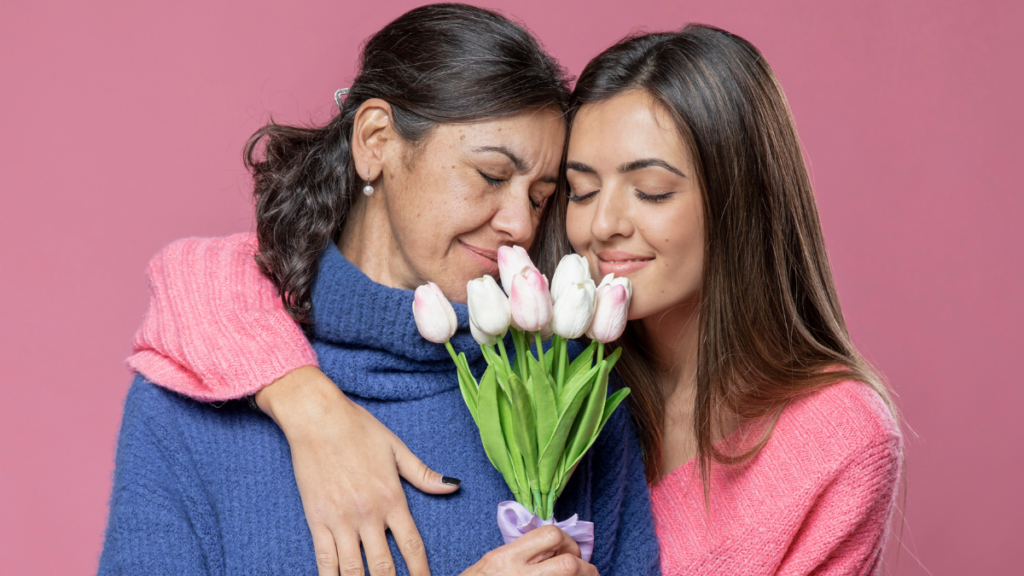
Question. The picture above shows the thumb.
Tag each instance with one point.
(419, 475)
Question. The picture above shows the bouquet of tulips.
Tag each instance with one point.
(539, 413)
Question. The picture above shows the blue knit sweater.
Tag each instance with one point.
(209, 489)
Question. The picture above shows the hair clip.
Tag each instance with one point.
(337, 95)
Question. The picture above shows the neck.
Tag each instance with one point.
(367, 242)
(672, 337)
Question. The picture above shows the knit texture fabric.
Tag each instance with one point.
(215, 328)
(817, 499)
(209, 488)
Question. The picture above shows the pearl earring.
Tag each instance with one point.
(368, 190)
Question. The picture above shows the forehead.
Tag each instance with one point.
(535, 136)
(626, 127)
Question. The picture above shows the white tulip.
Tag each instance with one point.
(611, 280)
(610, 309)
(489, 311)
(572, 270)
(482, 337)
(573, 309)
(511, 261)
(434, 315)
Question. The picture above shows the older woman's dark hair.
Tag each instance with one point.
(441, 63)
(770, 324)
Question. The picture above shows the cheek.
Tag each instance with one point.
(439, 206)
(577, 227)
(678, 240)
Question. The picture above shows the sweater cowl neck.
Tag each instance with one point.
(367, 330)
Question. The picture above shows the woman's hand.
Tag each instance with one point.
(546, 551)
(347, 466)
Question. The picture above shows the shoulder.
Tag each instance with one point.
(839, 425)
(151, 428)
(148, 405)
(191, 250)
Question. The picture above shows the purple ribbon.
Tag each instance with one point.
(514, 520)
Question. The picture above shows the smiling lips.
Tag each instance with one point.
(621, 263)
(488, 259)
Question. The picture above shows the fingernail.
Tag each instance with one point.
(449, 481)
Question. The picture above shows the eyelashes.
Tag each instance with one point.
(654, 197)
(495, 182)
(582, 198)
(490, 181)
(573, 197)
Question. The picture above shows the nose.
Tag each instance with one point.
(611, 218)
(514, 218)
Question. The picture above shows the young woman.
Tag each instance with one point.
(392, 193)
(770, 445)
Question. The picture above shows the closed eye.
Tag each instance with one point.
(490, 181)
(573, 197)
(654, 197)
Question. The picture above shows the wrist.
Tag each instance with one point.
(302, 396)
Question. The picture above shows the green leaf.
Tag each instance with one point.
(610, 405)
(490, 427)
(551, 454)
(591, 412)
(470, 394)
(544, 401)
(582, 362)
(495, 361)
(525, 427)
(582, 441)
(521, 488)
(574, 385)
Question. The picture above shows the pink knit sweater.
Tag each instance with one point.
(817, 500)
(215, 328)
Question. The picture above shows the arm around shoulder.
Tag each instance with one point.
(216, 328)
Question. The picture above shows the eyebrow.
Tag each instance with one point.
(579, 167)
(628, 167)
(648, 163)
(518, 163)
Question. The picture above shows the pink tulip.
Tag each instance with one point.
(511, 261)
(530, 300)
(434, 315)
(609, 313)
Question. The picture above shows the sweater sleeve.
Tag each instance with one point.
(160, 521)
(216, 328)
(845, 530)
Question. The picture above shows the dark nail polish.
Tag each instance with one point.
(448, 481)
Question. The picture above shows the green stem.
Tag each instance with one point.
(504, 355)
(517, 340)
(540, 348)
(455, 357)
(561, 356)
(600, 352)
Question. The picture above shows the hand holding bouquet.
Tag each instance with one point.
(539, 413)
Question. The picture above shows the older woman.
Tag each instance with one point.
(446, 147)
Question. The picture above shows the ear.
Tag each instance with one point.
(371, 130)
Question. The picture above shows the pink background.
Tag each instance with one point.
(121, 127)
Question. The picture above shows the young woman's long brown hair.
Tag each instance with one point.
(770, 325)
